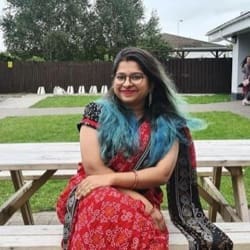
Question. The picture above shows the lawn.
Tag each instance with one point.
(221, 125)
(203, 99)
(82, 100)
(65, 101)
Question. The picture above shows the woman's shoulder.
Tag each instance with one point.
(93, 110)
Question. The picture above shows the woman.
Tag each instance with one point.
(132, 142)
(246, 80)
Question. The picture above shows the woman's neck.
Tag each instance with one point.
(139, 113)
(137, 110)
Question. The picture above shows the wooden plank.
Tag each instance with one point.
(31, 230)
(44, 156)
(35, 174)
(225, 210)
(65, 155)
(239, 193)
(67, 173)
(12, 204)
(21, 196)
(49, 236)
(18, 182)
(204, 171)
(212, 212)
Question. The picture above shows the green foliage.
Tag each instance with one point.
(73, 30)
(151, 38)
(35, 59)
(118, 23)
(47, 29)
(6, 56)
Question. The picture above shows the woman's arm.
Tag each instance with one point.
(100, 175)
(90, 152)
(146, 178)
(152, 176)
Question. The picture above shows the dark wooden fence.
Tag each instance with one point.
(202, 75)
(207, 75)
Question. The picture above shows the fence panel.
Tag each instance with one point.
(203, 75)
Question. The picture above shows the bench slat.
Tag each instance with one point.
(35, 174)
(67, 173)
(48, 237)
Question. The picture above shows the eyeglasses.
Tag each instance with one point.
(134, 78)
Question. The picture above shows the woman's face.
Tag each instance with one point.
(248, 60)
(131, 85)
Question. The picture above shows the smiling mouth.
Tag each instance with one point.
(127, 92)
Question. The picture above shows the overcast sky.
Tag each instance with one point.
(189, 18)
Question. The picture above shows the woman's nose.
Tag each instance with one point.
(127, 81)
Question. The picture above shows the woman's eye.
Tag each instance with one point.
(120, 78)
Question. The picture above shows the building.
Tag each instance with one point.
(237, 32)
(184, 47)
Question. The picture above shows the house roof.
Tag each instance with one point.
(238, 25)
(189, 44)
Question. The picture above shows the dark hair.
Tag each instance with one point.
(163, 90)
(244, 61)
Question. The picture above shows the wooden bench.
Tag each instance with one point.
(29, 237)
(202, 173)
(232, 155)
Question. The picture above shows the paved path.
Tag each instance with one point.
(233, 106)
(19, 105)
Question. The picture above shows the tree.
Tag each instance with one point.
(76, 30)
(118, 24)
(51, 29)
(151, 38)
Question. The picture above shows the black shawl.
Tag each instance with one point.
(184, 204)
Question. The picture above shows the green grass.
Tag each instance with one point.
(51, 128)
(82, 100)
(222, 125)
(203, 99)
(65, 101)
(59, 128)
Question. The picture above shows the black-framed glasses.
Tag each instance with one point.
(134, 78)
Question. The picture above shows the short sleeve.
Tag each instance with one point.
(90, 116)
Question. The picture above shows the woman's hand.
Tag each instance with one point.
(91, 182)
(158, 219)
(94, 181)
(155, 213)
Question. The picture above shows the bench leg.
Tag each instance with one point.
(20, 197)
(17, 179)
(213, 196)
(239, 191)
(212, 212)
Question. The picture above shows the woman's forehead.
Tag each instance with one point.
(129, 66)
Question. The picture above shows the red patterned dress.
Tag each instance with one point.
(107, 218)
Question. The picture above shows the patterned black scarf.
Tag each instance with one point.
(185, 208)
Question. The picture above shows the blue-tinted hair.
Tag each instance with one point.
(118, 125)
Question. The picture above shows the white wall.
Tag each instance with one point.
(240, 49)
